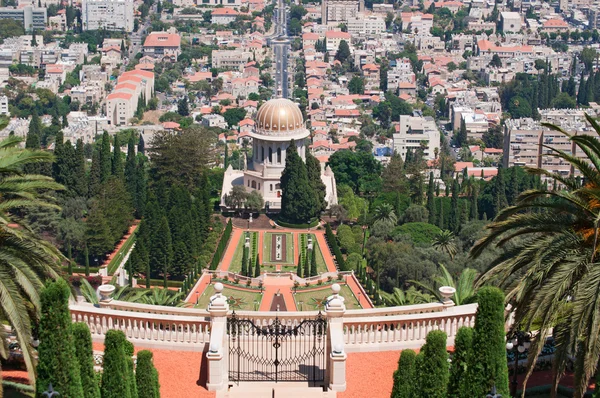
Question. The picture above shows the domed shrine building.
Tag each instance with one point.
(277, 123)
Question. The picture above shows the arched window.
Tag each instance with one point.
(279, 155)
(271, 188)
(262, 153)
(253, 184)
(259, 186)
(270, 155)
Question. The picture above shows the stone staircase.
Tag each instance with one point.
(275, 390)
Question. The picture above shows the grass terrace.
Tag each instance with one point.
(315, 299)
(321, 266)
(238, 299)
(236, 261)
(120, 255)
(290, 256)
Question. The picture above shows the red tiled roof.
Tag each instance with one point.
(162, 39)
(332, 34)
(125, 96)
(224, 11)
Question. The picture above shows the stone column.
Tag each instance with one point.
(336, 364)
(216, 355)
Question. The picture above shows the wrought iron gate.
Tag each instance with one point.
(277, 352)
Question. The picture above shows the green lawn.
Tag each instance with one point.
(236, 261)
(116, 260)
(290, 257)
(321, 266)
(245, 300)
(309, 301)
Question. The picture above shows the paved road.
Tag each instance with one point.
(281, 46)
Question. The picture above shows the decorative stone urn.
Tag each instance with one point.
(105, 292)
(447, 292)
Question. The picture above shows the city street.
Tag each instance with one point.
(281, 45)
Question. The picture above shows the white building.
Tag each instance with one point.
(4, 105)
(366, 24)
(30, 17)
(511, 21)
(278, 122)
(414, 131)
(107, 14)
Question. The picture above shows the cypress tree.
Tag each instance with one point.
(581, 93)
(95, 174)
(85, 356)
(80, 180)
(146, 376)
(474, 210)
(115, 383)
(487, 366)
(141, 145)
(245, 261)
(513, 187)
(298, 198)
(117, 161)
(300, 267)
(161, 250)
(404, 376)
(226, 157)
(141, 194)
(57, 357)
(64, 123)
(454, 221)
(58, 165)
(313, 169)
(86, 257)
(105, 158)
(462, 348)
(441, 222)
(499, 192)
(33, 141)
(306, 270)
(131, 384)
(313, 262)
(130, 169)
(431, 199)
(257, 268)
(432, 373)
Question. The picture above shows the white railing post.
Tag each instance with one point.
(336, 364)
(217, 358)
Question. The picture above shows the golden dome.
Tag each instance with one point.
(279, 115)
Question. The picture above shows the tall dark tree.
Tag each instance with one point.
(183, 107)
(115, 380)
(257, 267)
(130, 169)
(81, 183)
(98, 235)
(117, 160)
(141, 145)
(474, 211)
(313, 262)
(454, 220)
(500, 201)
(393, 176)
(161, 250)
(313, 168)
(33, 141)
(343, 52)
(461, 135)
(432, 373)
(57, 356)
(105, 158)
(85, 357)
(146, 375)
(460, 360)
(513, 187)
(431, 200)
(95, 180)
(298, 197)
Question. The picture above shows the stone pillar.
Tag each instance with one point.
(216, 355)
(336, 364)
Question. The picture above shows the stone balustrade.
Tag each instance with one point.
(182, 332)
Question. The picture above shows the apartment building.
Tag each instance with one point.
(231, 59)
(162, 45)
(31, 17)
(334, 38)
(4, 105)
(122, 103)
(338, 11)
(115, 15)
(524, 140)
(366, 24)
(414, 132)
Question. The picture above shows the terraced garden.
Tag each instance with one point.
(236, 262)
(238, 299)
(315, 299)
(268, 250)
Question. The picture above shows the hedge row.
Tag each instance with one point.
(333, 244)
(160, 282)
(81, 270)
(221, 246)
(312, 224)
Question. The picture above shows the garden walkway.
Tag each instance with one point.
(281, 285)
(236, 235)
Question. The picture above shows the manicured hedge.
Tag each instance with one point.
(160, 282)
(221, 246)
(404, 376)
(432, 367)
(312, 224)
(335, 248)
(81, 270)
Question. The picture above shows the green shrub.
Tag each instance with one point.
(487, 366)
(129, 350)
(335, 249)
(85, 357)
(462, 347)
(312, 224)
(146, 376)
(404, 376)
(115, 383)
(160, 282)
(421, 233)
(432, 371)
(57, 357)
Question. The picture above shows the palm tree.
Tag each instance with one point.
(444, 242)
(25, 259)
(406, 297)
(550, 268)
(465, 286)
(385, 212)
